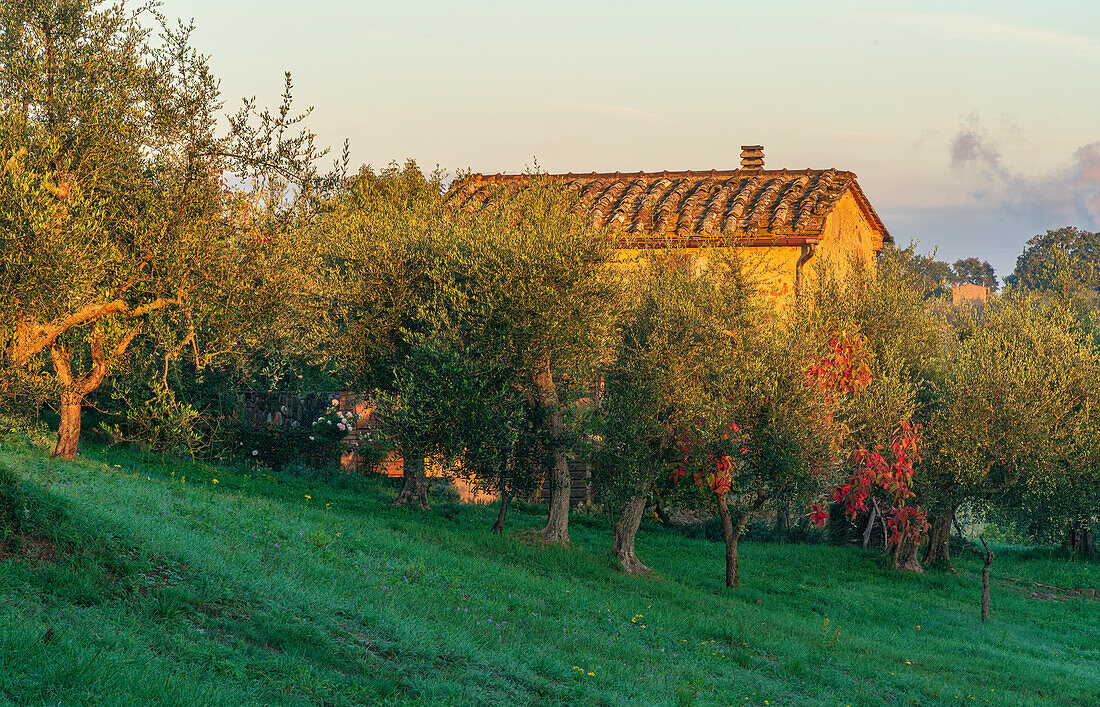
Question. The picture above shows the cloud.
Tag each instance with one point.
(621, 110)
(870, 137)
(970, 28)
(1069, 195)
(970, 147)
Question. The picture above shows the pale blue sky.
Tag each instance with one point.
(971, 125)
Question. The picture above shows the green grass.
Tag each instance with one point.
(281, 590)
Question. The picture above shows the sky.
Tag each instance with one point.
(972, 126)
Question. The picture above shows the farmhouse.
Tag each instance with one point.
(780, 219)
(969, 292)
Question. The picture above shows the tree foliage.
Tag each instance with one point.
(974, 272)
(933, 277)
(117, 220)
(688, 318)
(1012, 423)
(1049, 259)
(541, 297)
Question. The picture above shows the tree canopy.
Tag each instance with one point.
(117, 219)
(1040, 266)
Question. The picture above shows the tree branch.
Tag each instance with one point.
(33, 339)
(101, 363)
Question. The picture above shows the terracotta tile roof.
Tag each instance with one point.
(752, 206)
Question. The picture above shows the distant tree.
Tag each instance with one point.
(1037, 268)
(932, 275)
(975, 272)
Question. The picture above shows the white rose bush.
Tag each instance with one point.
(319, 444)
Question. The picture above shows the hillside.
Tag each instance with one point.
(132, 579)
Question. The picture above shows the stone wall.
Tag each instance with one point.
(291, 410)
(846, 235)
(294, 410)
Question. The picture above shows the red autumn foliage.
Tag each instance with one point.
(818, 515)
(844, 369)
(721, 478)
(873, 476)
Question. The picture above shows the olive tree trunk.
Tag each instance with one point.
(557, 522)
(987, 559)
(731, 534)
(939, 536)
(68, 429)
(625, 530)
(905, 555)
(1079, 539)
(505, 499)
(415, 486)
(74, 389)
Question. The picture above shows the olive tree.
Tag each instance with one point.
(686, 313)
(380, 269)
(1014, 415)
(116, 209)
(450, 405)
(541, 292)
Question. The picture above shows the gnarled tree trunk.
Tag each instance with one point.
(557, 521)
(939, 536)
(68, 429)
(1079, 539)
(415, 486)
(625, 530)
(905, 556)
(74, 389)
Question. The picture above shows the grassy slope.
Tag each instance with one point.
(274, 590)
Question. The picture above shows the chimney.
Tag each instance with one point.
(752, 158)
